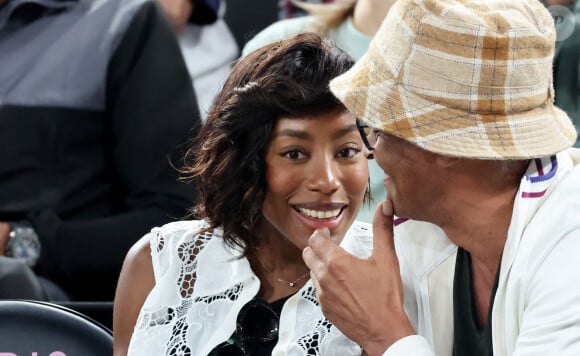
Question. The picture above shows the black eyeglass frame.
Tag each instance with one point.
(361, 126)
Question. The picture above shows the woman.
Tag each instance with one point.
(350, 24)
(277, 158)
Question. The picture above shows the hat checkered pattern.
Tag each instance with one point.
(462, 78)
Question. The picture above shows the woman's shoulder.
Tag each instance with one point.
(181, 228)
(180, 232)
(277, 31)
(170, 242)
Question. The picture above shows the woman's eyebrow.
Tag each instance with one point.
(301, 134)
(294, 133)
(344, 131)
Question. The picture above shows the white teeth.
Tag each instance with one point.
(320, 214)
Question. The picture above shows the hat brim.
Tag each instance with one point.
(370, 91)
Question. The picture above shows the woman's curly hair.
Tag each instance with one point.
(287, 78)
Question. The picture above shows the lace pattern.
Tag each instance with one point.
(178, 320)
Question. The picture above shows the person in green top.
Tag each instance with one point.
(350, 25)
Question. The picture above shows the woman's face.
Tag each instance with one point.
(316, 176)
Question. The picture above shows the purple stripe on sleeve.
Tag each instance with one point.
(533, 194)
(399, 221)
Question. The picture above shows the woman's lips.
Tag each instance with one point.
(317, 218)
(319, 214)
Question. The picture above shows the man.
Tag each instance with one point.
(207, 44)
(95, 102)
(458, 100)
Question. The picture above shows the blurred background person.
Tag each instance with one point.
(207, 44)
(350, 24)
(288, 8)
(95, 102)
(567, 57)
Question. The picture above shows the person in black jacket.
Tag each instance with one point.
(95, 106)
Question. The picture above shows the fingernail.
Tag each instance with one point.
(324, 231)
(387, 208)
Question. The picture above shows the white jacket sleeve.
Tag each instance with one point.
(550, 322)
(411, 345)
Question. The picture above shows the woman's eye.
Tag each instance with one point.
(294, 154)
(349, 152)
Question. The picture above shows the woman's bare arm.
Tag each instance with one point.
(135, 283)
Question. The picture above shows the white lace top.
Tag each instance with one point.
(178, 319)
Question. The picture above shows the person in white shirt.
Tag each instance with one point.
(277, 158)
(207, 44)
(456, 103)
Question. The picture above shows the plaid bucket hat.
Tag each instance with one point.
(462, 78)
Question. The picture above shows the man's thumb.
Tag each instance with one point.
(383, 242)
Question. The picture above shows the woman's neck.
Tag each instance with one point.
(278, 264)
(369, 14)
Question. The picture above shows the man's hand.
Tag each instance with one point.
(362, 297)
(4, 236)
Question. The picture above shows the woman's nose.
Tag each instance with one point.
(323, 176)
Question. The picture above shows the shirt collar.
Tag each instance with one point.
(535, 187)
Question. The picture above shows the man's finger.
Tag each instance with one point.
(315, 283)
(383, 242)
(309, 258)
(322, 244)
(319, 239)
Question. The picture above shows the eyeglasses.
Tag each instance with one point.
(256, 326)
(368, 134)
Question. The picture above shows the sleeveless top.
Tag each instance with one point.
(178, 319)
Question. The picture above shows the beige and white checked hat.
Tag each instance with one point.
(462, 78)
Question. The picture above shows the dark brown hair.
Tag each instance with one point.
(227, 161)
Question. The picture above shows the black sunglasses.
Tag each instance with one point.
(256, 326)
